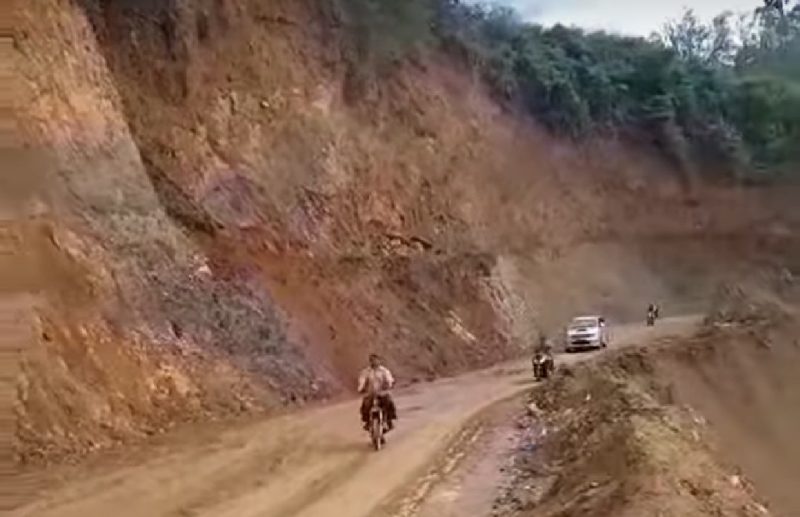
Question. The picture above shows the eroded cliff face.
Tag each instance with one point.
(231, 235)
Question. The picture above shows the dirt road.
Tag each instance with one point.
(317, 463)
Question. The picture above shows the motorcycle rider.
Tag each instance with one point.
(544, 345)
(652, 312)
(375, 381)
(543, 349)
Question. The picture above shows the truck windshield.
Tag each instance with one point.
(584, 322)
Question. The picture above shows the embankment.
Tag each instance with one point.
(701, 427)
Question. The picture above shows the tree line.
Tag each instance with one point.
(726, 91)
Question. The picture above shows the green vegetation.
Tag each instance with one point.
(727, 91)
(383, 30)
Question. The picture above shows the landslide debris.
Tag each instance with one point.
(605, 440)
(702, 426)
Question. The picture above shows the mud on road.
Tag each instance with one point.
(316, 463)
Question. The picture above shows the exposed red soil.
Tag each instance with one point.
(244, 235)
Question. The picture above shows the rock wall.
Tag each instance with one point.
(228, 234)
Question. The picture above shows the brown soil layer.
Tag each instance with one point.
(704, 427)
(223, 231)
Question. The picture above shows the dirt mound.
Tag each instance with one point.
(706, 427)
(609, 446)
(745, 382)
(736, 304)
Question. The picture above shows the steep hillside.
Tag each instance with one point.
(231, 235)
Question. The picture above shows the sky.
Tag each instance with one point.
(636, 17)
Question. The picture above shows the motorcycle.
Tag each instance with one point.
(543, 366)
(651, 318)
(377, 424)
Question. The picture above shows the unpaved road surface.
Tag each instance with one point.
(314, 464)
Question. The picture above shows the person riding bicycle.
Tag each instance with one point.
(375, 381)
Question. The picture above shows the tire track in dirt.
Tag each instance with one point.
(313, 464)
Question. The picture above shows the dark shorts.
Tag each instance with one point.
(386, 403)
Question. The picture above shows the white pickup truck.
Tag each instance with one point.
(587, 332)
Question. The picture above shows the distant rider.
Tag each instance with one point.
(652, 312)
(375, 381)
(544, 345)
(543, 348)
(543, 351)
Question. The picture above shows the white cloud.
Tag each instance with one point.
(626, 16)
